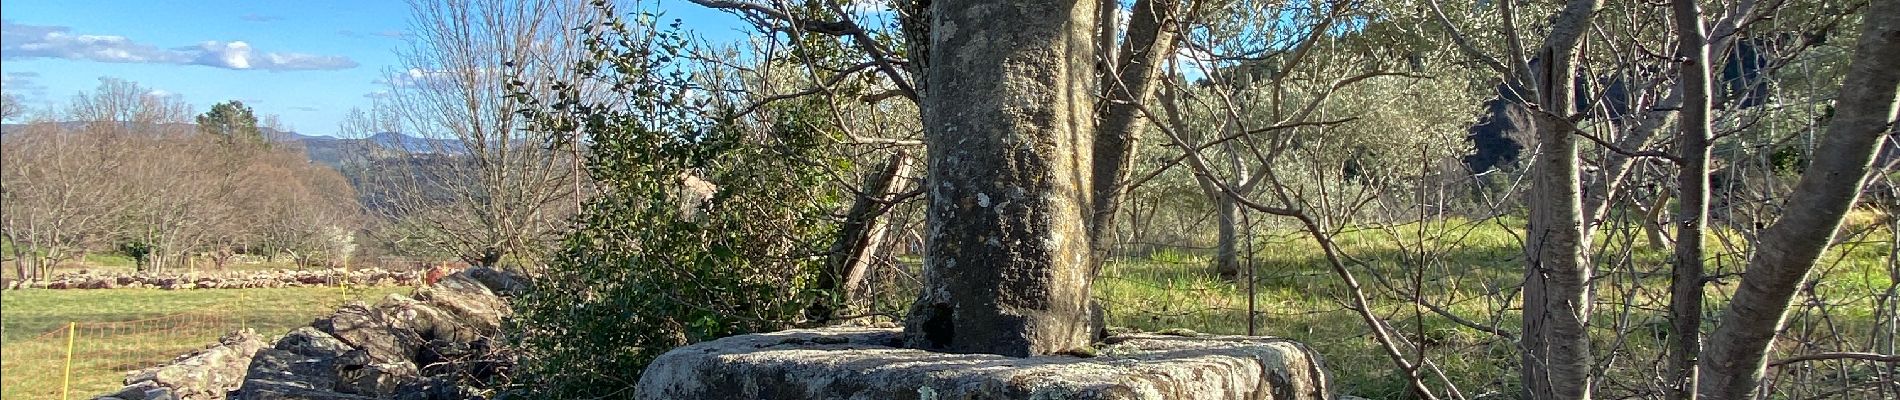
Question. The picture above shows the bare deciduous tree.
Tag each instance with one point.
(477, 183)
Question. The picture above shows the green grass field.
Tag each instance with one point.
(120, 330)
(1472, 269)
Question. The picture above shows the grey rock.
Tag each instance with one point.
(379, 379)
(135, 391)
(267, 389)
(308, 341)
(422, 322)
(498, 281)
(378, 351)
(432, 389)
(470, 300)
(283, 365)
(159, 394)
(204, 374)
(792, 365)
(364, 328)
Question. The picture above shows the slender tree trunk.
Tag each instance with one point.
(20, 254)
(1692, 211)
(1732, 364)
(1009, 121)
(858, 239)
(1557, 301)
(1226, 249)
(1128, 86)
(1557, 298)
(1651, 225)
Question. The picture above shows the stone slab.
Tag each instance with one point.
(865, 363)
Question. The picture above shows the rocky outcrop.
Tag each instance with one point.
(204, 374)
(86, 279)
(422, 347)
(865, 363)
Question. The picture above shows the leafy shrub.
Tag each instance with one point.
(658, 258)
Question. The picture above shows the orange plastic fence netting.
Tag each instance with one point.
(100, 353)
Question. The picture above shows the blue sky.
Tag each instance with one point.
(308, 62)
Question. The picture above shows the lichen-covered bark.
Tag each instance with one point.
(1009, 121)
(1734, 357)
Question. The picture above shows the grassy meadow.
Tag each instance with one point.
(120, 330)
(1472, 269)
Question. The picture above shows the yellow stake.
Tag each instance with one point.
(66, 386)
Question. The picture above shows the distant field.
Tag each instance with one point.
(120, 263)
(127, 329)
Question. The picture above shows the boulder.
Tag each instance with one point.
(469, 300)
(377, 379)
(424, 322)
(501, 282)
(362, 327)
(308, 341)
(272, 367)
(863, 363)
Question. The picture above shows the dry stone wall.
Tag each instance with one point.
(246, 280)
(439, 343)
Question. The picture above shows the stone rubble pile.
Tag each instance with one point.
(430, 345)
(242, 280)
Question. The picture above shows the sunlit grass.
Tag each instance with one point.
(1471, 269)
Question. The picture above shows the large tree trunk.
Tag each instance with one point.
(1009, 121)
(1557, 360)
(1733, 361)
(1692, 214)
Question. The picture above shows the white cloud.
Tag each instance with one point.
(20, 41)
(413, 77)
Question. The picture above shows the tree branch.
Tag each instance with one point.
(1843, 355)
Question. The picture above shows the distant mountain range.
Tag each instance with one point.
(331, 150)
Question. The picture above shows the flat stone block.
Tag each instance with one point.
(866, 363)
